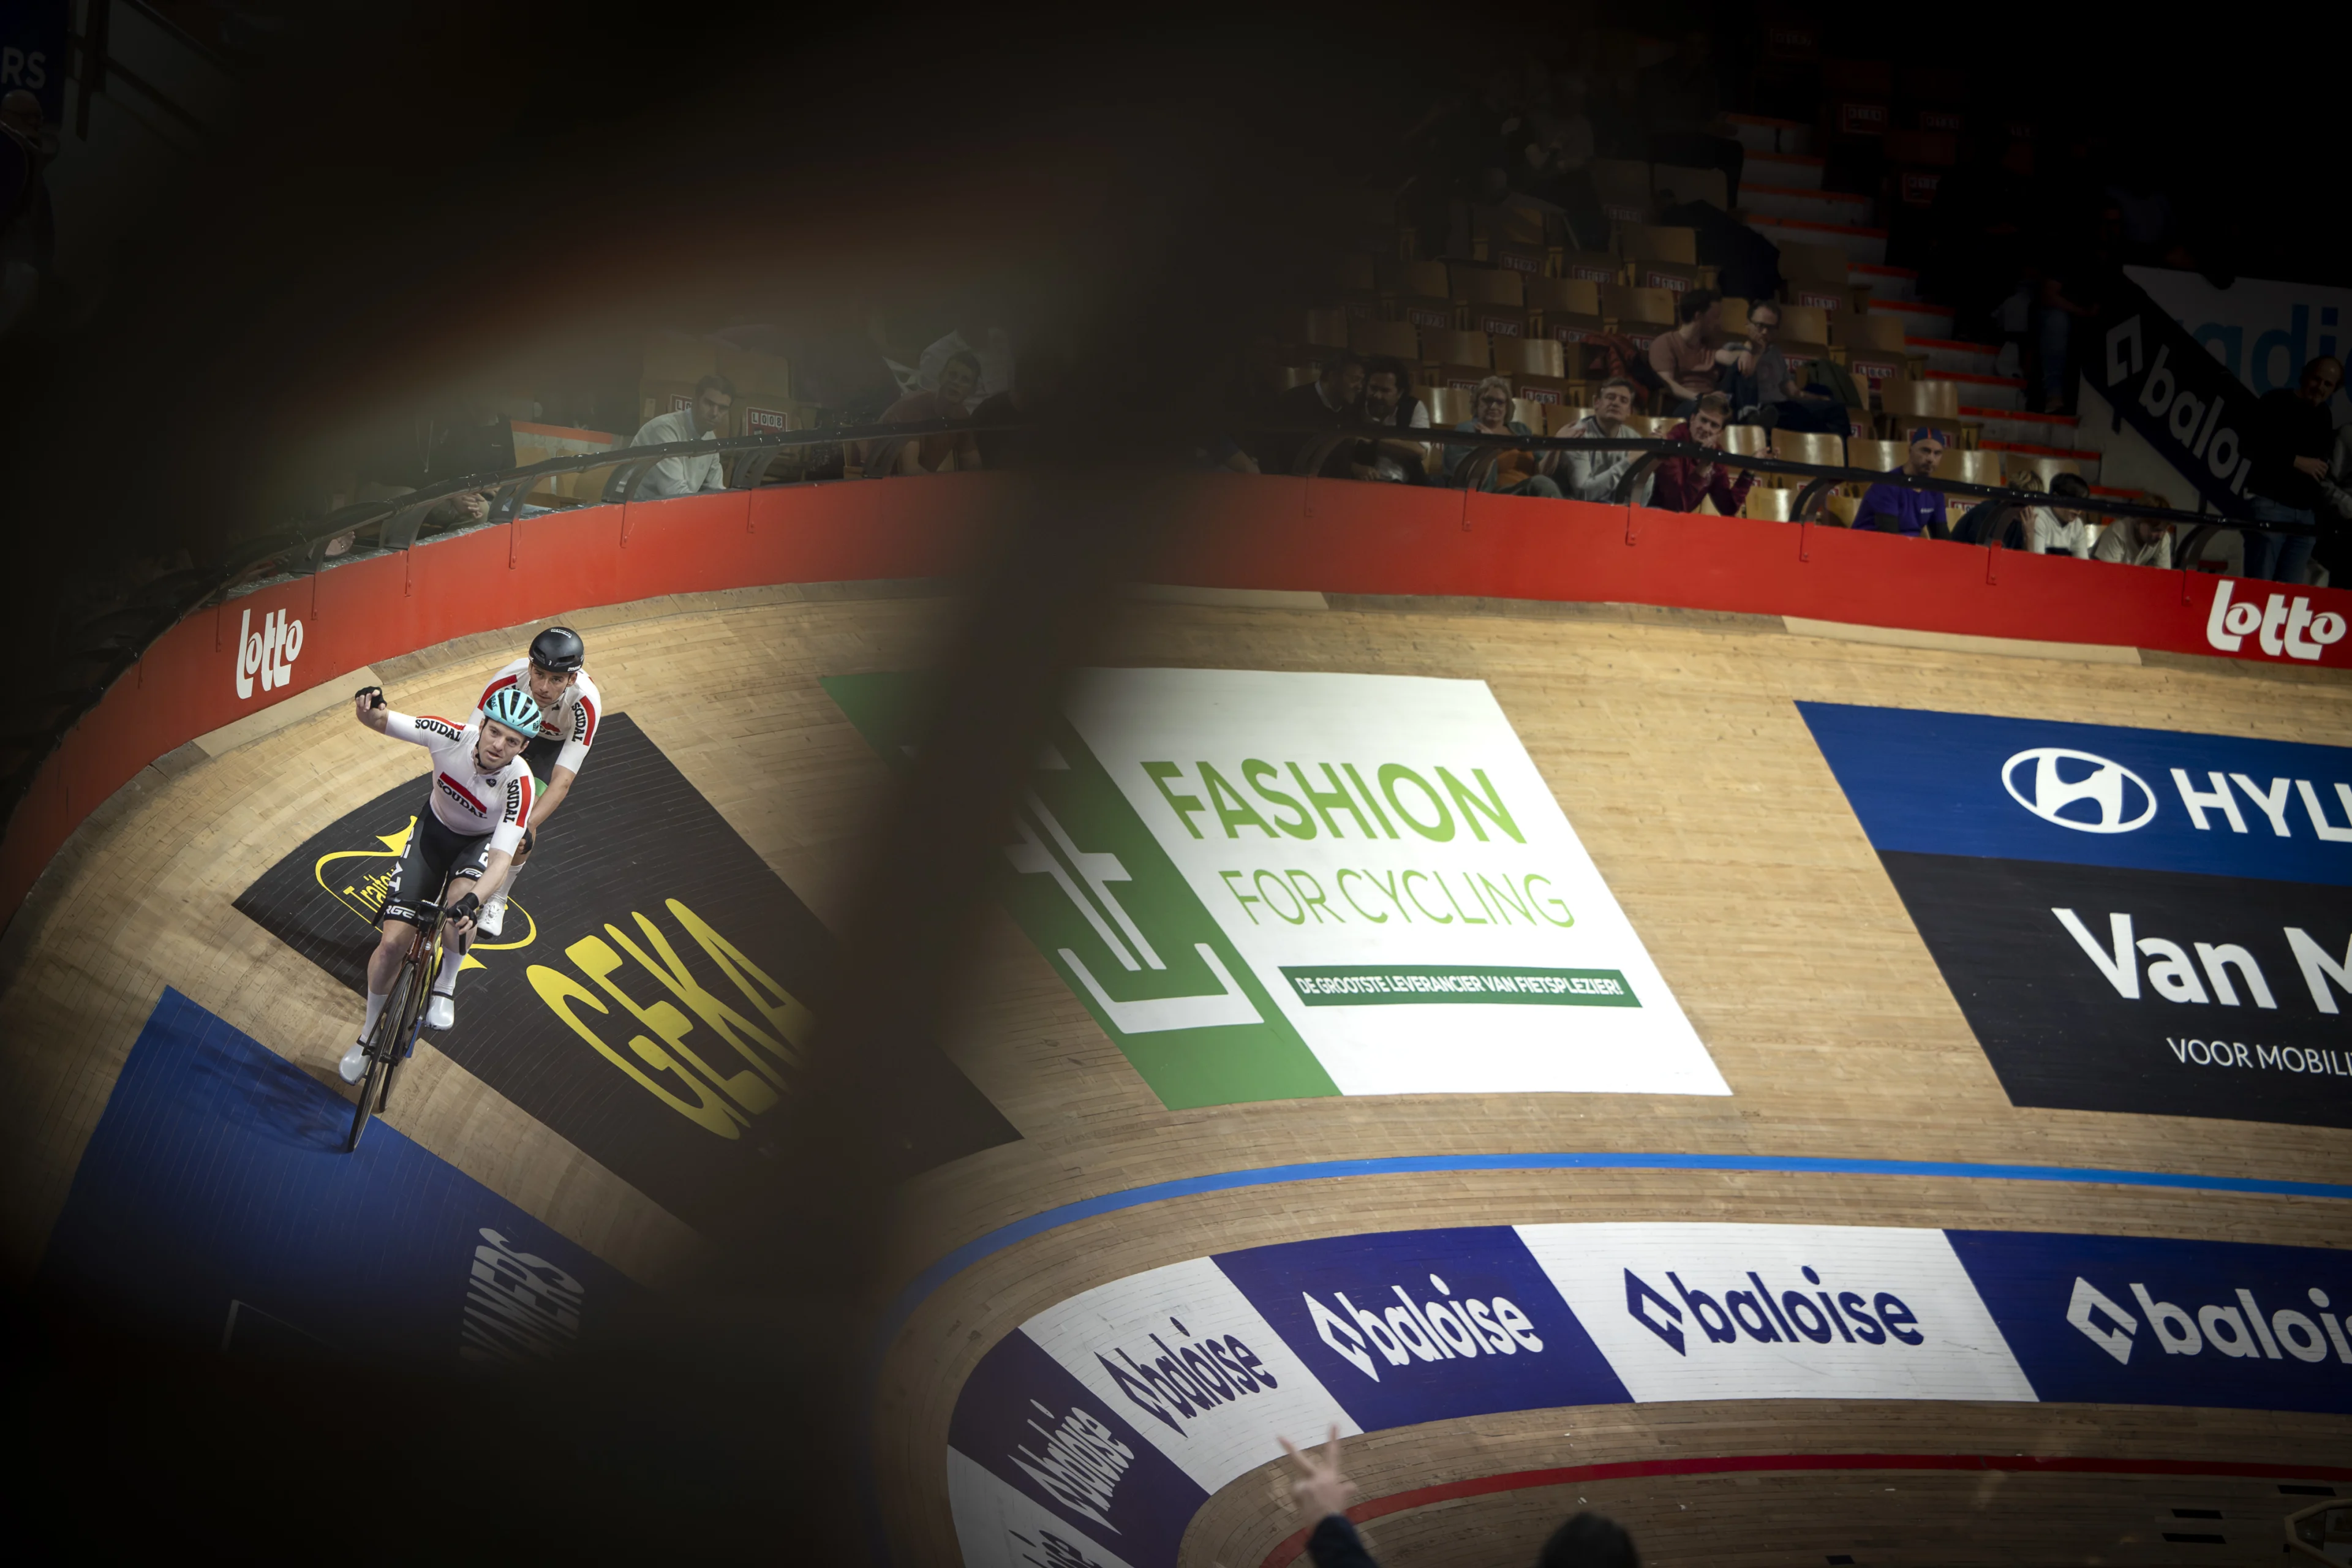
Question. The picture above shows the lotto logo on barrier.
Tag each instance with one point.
(2279, 627)
(265, 655)
(1269, 886)
(2131, 1320)
(1424, 1325)
(653, 990)
(2131, 919)
(1763, 1312)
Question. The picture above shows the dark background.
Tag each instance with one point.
(420, 186)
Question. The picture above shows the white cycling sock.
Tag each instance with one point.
(376, 999)
(445, 979)
(508, 886)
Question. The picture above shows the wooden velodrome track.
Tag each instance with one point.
(1671, 742)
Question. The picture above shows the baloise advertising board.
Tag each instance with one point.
(2131, 919)
(1266, 886)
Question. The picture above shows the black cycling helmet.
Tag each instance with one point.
(558, 648)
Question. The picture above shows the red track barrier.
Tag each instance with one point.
(1245, 532)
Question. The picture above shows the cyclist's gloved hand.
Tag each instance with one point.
(466, 907)
(374, 695)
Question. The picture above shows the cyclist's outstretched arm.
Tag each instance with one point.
(368, 707)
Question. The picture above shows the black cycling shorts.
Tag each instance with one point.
(435, 853)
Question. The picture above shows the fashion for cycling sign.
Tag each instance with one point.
(1270, 885)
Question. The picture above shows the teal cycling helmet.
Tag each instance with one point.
(513, 707)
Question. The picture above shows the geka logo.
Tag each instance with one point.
(2078, 790)
(268, 653)
(2279, 628)
(1184, 1382)
(1766, 1317)
(2237, 1326)
(1434, 1329)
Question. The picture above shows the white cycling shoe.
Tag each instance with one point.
(354, 1066)
(441, 1012)
(491, 920)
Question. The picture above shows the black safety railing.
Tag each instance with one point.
(102, 651)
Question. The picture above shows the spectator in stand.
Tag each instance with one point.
(2136, 541)
(1390, 405)
(1780, 403)
(1682, 98)
(1899, 508)
(1040, 381)
(700, 420)
(946, 450)
(991, 349)
(1321, 1493)
(1684, 482)
(2073, 284)
(2330, 554)
(2292, 444)
(1332, 401)
(2057, 530)
(1687, 358)
(1514, 472)
(1595, 476)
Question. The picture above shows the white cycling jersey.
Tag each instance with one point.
(576, 714)
(466, 799)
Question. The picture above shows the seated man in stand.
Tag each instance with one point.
(1780, 402)
(1899, 508)
(1390, 405)
(1684, 482)
(704, 419)
(947, 450)
(1595, 476)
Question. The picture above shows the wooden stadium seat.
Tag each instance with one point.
(1677, 183)
(1805, 446)
(1653, 307)
(1474, 285)
(1880, 330)
(1768, 502)
(1358, 275)
(1838, 510)
(1746, 440)
(1822, 264)
(1497, 322)
(1881, 456)
(1936, 400)
(1448, 405)
(1653, 242)
(1325, 328)
(1424, 297)
(1623, 187)
(1529, 413)
(1672, 275)
(1559, 416)
(1457, 348)
(1393, 339)
(1804, 334)
(1970, 467)
(1570, 296)
(1592, 266)
(1529, 356)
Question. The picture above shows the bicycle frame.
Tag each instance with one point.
(394, 1040)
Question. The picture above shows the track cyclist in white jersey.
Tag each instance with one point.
(571, 708)
(477, 804)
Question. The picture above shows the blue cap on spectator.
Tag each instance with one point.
(1928, 433)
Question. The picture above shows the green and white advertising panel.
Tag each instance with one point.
(1265, 886)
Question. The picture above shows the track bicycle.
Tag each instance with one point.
(393, 1040)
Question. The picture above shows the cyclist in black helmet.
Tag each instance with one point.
(552, 674)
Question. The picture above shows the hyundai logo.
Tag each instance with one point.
(2102, 796)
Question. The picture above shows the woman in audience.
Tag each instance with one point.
(1514, 472)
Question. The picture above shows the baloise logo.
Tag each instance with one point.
(1186, 1381)
(1440, 1328)
(2238, 1326)
(2077, 790)
(1770, 1318)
